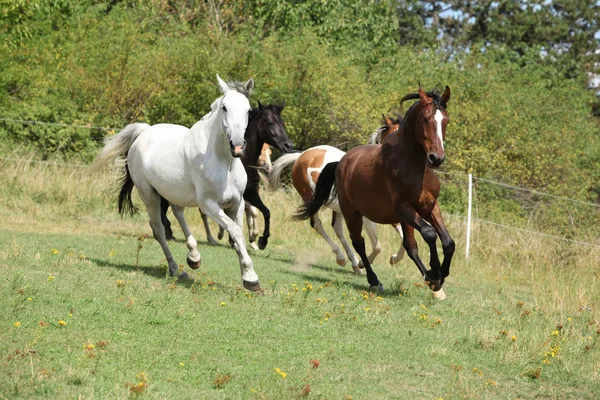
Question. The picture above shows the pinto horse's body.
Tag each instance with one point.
(306, 168)
(395, 183)
(195, 167)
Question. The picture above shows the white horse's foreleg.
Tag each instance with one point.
(395, 258)
(209, 237)
(338, 228)
(315, 222)
(236, 234)
(251, 216)
(371, 228)
(193, 257)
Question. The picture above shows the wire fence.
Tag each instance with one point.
(519, 205)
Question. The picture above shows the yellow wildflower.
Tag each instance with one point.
(29, 299)
(513, 338)
(50, 278)
(555, 333)
(280, 372)
(112, 253)
(62, 323)
(17, 324)
(182, 364)
(54, 251)
(223, 304)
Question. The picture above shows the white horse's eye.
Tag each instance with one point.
(224, 108)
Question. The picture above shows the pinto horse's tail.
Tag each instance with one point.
(115, 147)
(280, 165)
(325, 192)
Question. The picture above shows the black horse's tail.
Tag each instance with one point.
(325, 192)
(125, 203)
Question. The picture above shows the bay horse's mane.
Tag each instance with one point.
(434, 94)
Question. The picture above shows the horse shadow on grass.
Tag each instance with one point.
(392, 289)
(156, 272)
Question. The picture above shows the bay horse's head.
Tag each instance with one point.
(430, 123)
(264, 160)
(269, 126)
(235, 108)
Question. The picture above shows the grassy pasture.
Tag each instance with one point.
(88, 312)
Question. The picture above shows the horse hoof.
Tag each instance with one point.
(194, 264)
(341, 262)
(183, 275)
(170, 237)
(212, 242)
(252, 286)
(440, 294)
(394, 259)
(221, 234)
(357, 270)
(253, 246)
(376, 288)
(262, 242)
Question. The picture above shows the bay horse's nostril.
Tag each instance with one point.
(432, 158)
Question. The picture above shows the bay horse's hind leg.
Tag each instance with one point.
(338, 227)
(354, 222)
(395, 258)
(448, 245)
(315, 223)
(164, 207)
(193, 257)
(209, 237)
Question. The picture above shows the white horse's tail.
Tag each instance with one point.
(279, 166)
(118, 145)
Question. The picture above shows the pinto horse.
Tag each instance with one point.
(306, 167)
(190, 167)
(265, 126)
(395, 183)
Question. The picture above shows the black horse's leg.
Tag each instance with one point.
(251, 196)
(164, 206)
(448, 244)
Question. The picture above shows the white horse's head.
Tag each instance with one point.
(235, 108)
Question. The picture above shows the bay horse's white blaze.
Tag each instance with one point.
(439, 117)
(196, 167)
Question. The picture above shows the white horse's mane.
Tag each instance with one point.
(239, 87)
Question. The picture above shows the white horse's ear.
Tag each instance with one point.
(249, 85)
(222, 85)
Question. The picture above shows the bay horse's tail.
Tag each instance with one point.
(115, 147)
(280, 165)
(325, 192)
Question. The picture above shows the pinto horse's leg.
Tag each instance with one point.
(251, 216)
(354, 222)
(395, 258)
(193, 257)
(251, 195)
(371, 228)
(338, 227)
(236, 234)
(164, 206)
(448, 245)
(209, 237)
(315, 223)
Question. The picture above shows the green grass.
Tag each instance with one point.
(132, 332)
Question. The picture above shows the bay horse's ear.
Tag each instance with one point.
(388, 121)
(423, 96)
(249, 85)
(446, 95)
(222, 85)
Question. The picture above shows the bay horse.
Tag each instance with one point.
(190, 167)
(395, 183)
(265, 126)
(306, 168)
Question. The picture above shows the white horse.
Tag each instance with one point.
(190, 167)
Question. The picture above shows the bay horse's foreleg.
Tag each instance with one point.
(236, 235)
(193, 257)
(209, 237)
(354, 222)
(251, 195)
(164, 207)
(315, 223)
(395, 258)
(448, 245)
(337, 223)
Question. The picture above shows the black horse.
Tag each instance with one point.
(264, 126)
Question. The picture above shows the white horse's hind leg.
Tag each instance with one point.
(315, 222)
(209, 237)
(193, 257)
(395, 258)
(234, 228)
(152, 203)
(371, 228)
(338, 228)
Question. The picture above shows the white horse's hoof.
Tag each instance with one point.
(440, 294)
(341, 261)
(252, 286)
(194, 264)
(253, 246)
(357, 269)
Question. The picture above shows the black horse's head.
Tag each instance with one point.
(266, 120)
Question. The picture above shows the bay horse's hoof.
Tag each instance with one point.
(252, 286)
(377, 288)
(262, 242)
(194, 264)
(440, 294)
